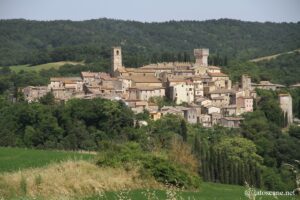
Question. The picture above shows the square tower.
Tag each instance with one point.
(201, 56)
(286, 105)
(246, 82)
(116, 58)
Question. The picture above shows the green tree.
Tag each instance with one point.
(183, 130)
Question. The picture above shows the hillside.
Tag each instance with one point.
(46, 66)
(36, 42)
(282, 68)
(267, 58)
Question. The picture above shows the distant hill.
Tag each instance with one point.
(36, 42)
(282, 68)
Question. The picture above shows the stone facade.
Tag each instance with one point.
(286, 104)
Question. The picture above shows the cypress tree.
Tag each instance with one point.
(258, 181)
(220, 168)
(247, 173)
(208, 166)
(231, 173)
(241, 173)
(183, 130)
(226, 168)
(235, 173)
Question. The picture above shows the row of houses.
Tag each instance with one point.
(205, 91)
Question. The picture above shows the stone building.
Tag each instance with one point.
(116, 60)
(246, 82)
(205, 90)
(34, 93)
(267, 85)
(145, 93)
(182, 92)
(286, 104)
(201, 57)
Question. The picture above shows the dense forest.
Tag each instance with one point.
(34, 42)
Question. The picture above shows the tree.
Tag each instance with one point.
(48, 99)
(239, 149)
(183, 130)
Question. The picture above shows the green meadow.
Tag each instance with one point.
(13, 159)
(55, 65)
(208, 191)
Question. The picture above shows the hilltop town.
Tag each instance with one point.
(201, 93)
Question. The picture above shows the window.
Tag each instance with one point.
(117, 52)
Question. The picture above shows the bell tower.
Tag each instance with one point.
(116, 59)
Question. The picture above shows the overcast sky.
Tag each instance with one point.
(152, 10)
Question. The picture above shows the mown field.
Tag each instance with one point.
(12, 159)
(208, 191)
(46, 66)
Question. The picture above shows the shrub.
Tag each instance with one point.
(167, 172)
(162, 169)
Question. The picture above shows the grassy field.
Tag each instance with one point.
(208, 191)
(12, 159)
(84, 176)
(55, 65)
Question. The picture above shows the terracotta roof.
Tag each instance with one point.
(65, 79)
(205, 76)
(229, 106)
(88, 74)
(217, 98)
(217, 74)
(184, 70)
(245, 97)
(70, 86)
(144, 79)
(110, 79)
(182, 108)
(233, 118)
(214, 67)
(69, 82)
(145, 88)
(122, 70)
(221, 91)
(140, 70)
(196, 78)
(167, 65)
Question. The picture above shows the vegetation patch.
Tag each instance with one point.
(150, 165)
(70, 179)
(13, 159)
(46, 66)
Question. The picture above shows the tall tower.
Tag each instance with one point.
(286, 104)
(116, 59)
(201, 56)
(246, 82)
